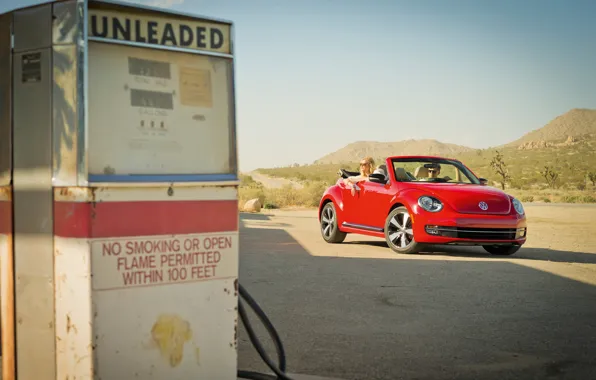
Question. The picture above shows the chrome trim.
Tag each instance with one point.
(64, 23)
(362, 227)
(65, 93)
(6, 88)
(233, 146)
(64, 115)
(165, 11)
(232, 31)
(82, 92)
(158, 47)
(489, 230)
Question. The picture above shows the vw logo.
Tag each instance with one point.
(483, 206)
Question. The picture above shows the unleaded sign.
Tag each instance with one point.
(164, 31)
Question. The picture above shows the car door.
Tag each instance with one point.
(373, 204)
(352, 204)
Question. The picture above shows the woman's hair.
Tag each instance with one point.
(369, 160)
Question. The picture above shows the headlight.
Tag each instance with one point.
(518, 206)
(430, 204)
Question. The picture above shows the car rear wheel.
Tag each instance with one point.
(399, 232)
(329, 229)
(501, 250)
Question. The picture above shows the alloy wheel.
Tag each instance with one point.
(400, 231)
(328, 222)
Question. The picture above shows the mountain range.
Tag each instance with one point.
(576, 124)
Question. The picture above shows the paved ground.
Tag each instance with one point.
(358, 311)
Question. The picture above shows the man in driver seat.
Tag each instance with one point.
(435, 170)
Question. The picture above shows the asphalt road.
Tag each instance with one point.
(358, 311)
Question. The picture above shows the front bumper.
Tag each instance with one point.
(473, 231)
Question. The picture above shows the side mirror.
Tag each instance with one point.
(483, 181)
(377, 178)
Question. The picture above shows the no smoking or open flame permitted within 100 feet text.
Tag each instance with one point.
(121, 263)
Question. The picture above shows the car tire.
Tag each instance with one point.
(329, 228)
(395, 230)
(501, 250)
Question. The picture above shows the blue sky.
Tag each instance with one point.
(315, 75)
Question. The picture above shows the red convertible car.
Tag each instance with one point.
(422, 201)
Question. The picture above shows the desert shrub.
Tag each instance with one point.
(309, 196)
(580, 186)
(500, 168)
(588, 199)
(592, 178)
(546, 200)
(248, 181)
(527, 198)
(520, 183)
(300, 176)
(313, 192)
(551, 176)
(286, 196)
(569, 199)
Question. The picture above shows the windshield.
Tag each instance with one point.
(432, 170)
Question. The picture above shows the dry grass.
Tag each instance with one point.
(554, 196)
(310, 195)
(285, 197)
(573, 163)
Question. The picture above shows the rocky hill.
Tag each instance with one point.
(571, 126)
(564, 130)
(357, 150)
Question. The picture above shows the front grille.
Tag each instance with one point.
(472, 233)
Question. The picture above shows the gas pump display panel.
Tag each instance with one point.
(159, 112)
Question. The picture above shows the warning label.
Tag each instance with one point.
(195, 87)
(122, 263)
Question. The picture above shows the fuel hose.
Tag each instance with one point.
(279, 369)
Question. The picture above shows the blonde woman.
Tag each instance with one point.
(366, 167)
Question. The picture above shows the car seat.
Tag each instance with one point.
(380, 170)
(421, 172)
(401, 175)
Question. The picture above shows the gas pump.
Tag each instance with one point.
(119, 195)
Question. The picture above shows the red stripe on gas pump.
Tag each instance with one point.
(144, 218)
(5, 217)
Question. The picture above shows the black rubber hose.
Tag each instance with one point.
(278, 370)
(281, 355)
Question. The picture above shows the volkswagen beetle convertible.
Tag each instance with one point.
(414, 202)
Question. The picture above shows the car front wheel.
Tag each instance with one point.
(329, 228)
(399, 233)
(501, 250)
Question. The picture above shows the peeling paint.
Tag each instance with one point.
(6, 193)
(171, 333)
(72, 194)
(70, 325)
